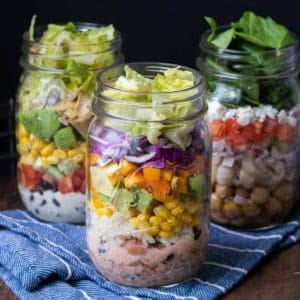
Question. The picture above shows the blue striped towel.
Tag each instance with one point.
(40, 260)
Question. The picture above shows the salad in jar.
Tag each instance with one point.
(60, 63)
(148, 165)
(251, 73)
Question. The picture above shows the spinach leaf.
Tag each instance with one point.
(263, 32)
(253, 35)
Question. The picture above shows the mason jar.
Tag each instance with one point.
(53, 111)
(148, 184)
(254, 118)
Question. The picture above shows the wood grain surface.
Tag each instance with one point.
(276, 278)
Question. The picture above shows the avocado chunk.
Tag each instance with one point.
(125, 199)
(41, 123)
(196, 185)
(65, 138)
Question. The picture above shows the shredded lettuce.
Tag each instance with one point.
(165, 104)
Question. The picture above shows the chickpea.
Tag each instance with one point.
(215, 203)
(232, 210)
(242, 221)
(284, 192)
(250, 209)
(242, 192)
(273, 207)
(224, 175)
(246, 180)
(223, 191)
(218, 218)
(260, 195)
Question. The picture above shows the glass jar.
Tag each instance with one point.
(54, 97)
(254, 119)
(149, 177)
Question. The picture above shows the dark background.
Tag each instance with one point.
(156, 30)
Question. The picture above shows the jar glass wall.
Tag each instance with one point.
(149, 175)
(54, 97)
(254, 118)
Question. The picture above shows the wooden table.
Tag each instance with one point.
(277, 278)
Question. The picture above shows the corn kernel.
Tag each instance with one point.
(178, 210)
(25, 141)
(186, 218)
(35, 153)
(144, 225)
(143, 217)
(73, 152)
(178, 226)
(161, 211)
(48, 149)
(171, 220)
(52, 160)
(22, 132)
(78, 158)
(172, 204)
(27, 159)
(153, 230)
(104, 211)
(193, 207)
(155, 220)
(45, 162)
(59, 153)
(134, 222)
(165, 234)
(165, 226)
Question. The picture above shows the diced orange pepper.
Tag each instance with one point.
(115, 179)
(182, 185)
(135, 180)
(94, 158)
(167, 174)
(151, 173)
(127, 167)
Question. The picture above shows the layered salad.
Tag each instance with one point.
(53, 113)
(254, 118)
(149, 181)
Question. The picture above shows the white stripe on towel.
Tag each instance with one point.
(237, 249)
(60, 259)
(248, 236)
(226, 266)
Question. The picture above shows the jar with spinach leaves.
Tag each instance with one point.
(252, 88)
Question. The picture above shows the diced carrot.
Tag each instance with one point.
(151, 173)
(160, 189)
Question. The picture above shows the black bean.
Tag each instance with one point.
(168, 258)
(37, 211)
(31, 197)
(197, 233)
(55, 202)
(44, 202)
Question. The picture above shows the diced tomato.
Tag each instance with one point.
(30, 177)
(76, 182)
(217, 129)
(65, 185)
(253, 132)
(286, 133)
(234, 139)
(83, 187)
(271, 126)
(80, 171)
(232, 125)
